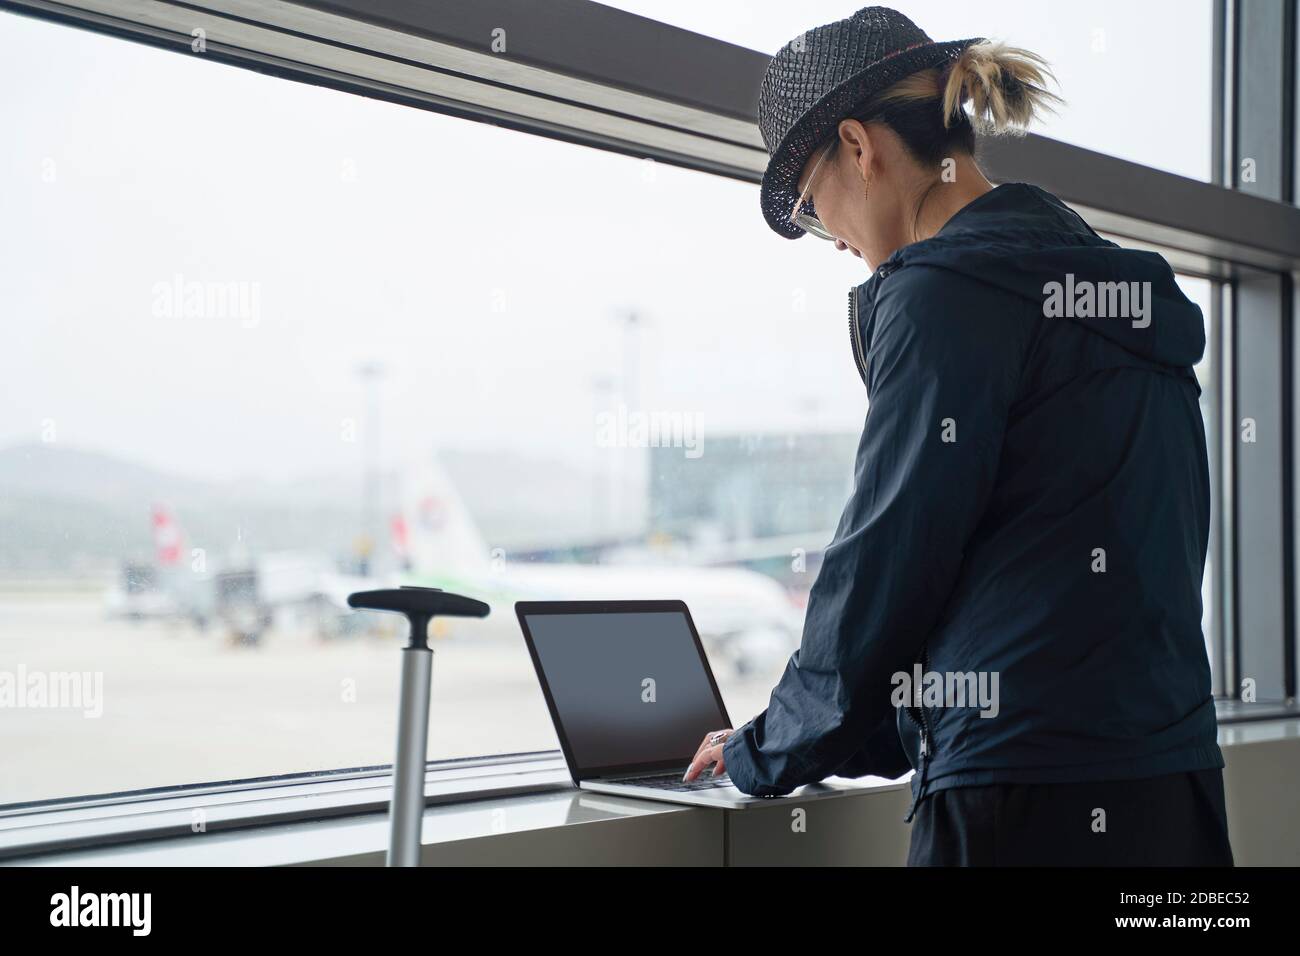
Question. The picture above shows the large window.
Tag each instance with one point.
(1203, 292)
(271, 342)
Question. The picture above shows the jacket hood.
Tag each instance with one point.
(1023, 239)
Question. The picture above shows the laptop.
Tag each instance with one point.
(631, 695)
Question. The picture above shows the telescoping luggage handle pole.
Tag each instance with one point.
(420, 605)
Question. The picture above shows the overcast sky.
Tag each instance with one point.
(1135, 73)
(486, 270)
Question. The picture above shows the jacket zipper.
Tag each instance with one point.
(855, 337)
(922, 723)
(927, 738)
(855, 333)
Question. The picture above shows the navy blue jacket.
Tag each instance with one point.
(1031, 500)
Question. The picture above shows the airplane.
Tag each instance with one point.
(167, 588)
(244, 595)
(748, 619)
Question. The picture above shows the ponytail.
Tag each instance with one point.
(1006, 87)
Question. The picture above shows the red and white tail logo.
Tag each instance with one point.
(438, 532)
(401, 536)
(167, 541)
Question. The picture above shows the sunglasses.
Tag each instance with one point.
(804, 215)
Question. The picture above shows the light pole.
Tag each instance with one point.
(371, 375)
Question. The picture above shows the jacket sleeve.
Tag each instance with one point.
(943, 367)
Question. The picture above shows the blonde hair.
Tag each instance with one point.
(1005, 85)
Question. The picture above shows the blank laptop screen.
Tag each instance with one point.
(628, 688)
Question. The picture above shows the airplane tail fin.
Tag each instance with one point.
(168, 542)
(434, 533)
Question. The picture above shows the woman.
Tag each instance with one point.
(1011, 604)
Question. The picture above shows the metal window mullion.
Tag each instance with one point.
(1231, 513)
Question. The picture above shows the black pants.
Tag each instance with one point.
(1174, 820)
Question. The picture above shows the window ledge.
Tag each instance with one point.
(55, 826)
(342, 817)
(1230, 711)
(527, 805)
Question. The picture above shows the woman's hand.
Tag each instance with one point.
(710, 753)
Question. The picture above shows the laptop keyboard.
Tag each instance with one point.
(673, 781)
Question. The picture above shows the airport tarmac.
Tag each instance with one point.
(181, 706)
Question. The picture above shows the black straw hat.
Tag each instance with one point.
(819, 78)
